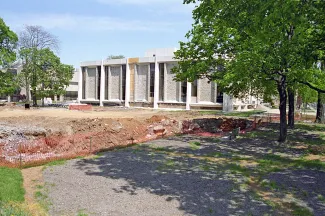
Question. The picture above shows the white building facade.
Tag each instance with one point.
(146, 82)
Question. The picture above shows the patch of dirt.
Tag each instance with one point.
(157, 118)
(43, 138)
(315, 157)
(32, 178)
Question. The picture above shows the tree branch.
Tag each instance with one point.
(312, 87)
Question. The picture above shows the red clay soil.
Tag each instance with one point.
(86, 136)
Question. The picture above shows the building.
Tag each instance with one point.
(147, 82)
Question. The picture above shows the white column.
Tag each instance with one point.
(102, 85)
(61, 98)
(127, 85)
(9, 99)
(79, 87)
(156, 89)
(188, 96)
(56, 98)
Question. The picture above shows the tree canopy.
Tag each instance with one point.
(116, 57)
(252, 46)
(45, 72)
(8, 43)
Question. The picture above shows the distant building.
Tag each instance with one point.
(148, 82)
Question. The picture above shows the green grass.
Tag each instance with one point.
(300, 211)
(235, 168)
(321, 198)
(195, 145)
(11, 185)
(11, 209)
(235, 114)
(272, 163)
(310, 127)
(244, 114)
(42, 198)
(56, 163)
(81, 213)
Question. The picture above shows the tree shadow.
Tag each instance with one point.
(307, 185)
(201, 187)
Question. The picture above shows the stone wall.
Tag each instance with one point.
(91, 83)
(115, 82)
(142, 83)
(207, 91)
(172, 88)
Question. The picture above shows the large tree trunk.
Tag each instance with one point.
(291, 114)
(34, 98)
(320, 118)
(283, 105)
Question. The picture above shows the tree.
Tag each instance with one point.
(8, 83)
(8, 42)
(37, 37)
(250, 44)
(45, 73)
(32, 39)
(116, 57)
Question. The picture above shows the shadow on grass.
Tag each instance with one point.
(200, 187)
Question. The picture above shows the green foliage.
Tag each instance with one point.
(11, 185)
(8, 83)
(44, 72)
(8, 43)
(116, 57)
(253, 47)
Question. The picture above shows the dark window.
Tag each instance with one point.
(194, 89)
(220, 97)
(106, 82)
(183, 91)
(71, 95)
(152, 79)
(161, 81)
(99, 70)
(83, 83)
(123, 81)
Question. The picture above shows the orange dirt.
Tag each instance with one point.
(66, 133)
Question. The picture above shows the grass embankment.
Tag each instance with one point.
(232, 114)
(11, 192)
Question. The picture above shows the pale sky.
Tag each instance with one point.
(93, 29)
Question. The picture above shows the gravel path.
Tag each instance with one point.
(137, 181)
(170, 177)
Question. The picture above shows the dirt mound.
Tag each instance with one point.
(78, 137)
(157, 118)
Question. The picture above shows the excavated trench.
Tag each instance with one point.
(27, 145)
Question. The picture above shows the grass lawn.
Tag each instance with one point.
(234, 114)
(11, 185)
(11, 192)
